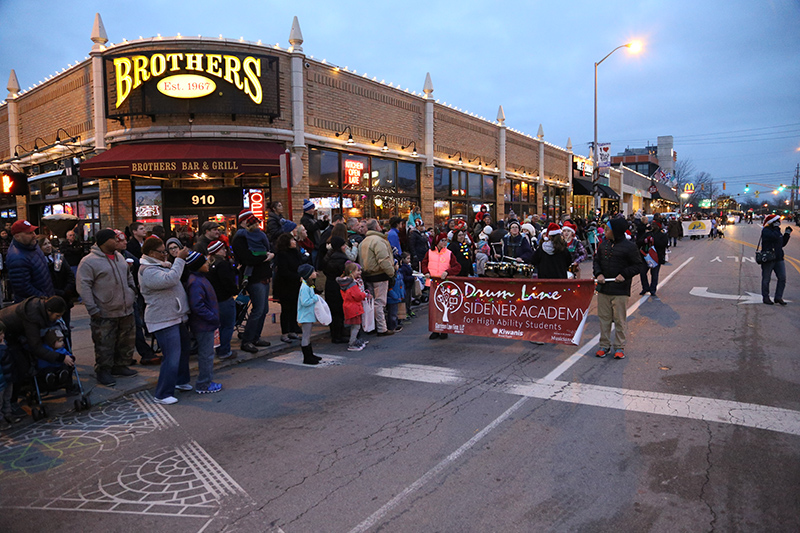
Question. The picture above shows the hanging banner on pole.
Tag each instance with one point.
(603, 155)
(552, 311)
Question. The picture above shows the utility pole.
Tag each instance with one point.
(795, 192)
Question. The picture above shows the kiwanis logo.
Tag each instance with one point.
(448, 298)
(697, 224)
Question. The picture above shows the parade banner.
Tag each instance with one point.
(696, 227)
(552, 311)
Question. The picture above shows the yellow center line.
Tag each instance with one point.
(792, 261)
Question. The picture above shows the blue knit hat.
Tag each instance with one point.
(287, 226)
(308, 205)
(305, 270)
(195, 261)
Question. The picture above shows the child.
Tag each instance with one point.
(257, 240)
(203, 320)
(395, 295)
(305, 312)
(352, 295)
(408, 280)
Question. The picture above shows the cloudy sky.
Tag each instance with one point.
(722, 77)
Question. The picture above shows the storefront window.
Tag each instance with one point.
(50, 188)
(441, 181)
(90, 186)
(70, 185)
(441, 211)
(383, 175)
(474, 185)
(355, 172)
(507, 191)
(354, 205)
(407, 178)
(323, 168)
(488, 188)
(149, 207)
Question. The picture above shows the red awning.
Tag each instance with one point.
(182, 157)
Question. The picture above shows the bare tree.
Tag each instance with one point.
(704, 188)
(684, 173)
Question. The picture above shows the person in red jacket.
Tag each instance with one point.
(352, 295)
(439, 263)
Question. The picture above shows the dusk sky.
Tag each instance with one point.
(722, 77)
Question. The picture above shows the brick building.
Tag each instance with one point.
(178, 130)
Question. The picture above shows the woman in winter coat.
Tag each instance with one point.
(462, 251)
(166, 312)
(418, 243)
(61, 275)
(287, 284)
(552, 259)
(439, 263)
(203, 320)
(333, 267)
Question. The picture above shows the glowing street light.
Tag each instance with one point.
(635, 47)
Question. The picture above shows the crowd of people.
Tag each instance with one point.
(139, 285)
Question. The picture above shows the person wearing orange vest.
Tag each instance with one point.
(439, 263)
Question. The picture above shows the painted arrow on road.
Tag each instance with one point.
(751, 298)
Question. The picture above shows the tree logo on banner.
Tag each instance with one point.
(448, 298)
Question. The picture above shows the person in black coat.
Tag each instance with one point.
(61, 275)
(615, 264)
(418, 243)
(461, 250)
(771, 239)
(72, 250)
(222, 276)
(552, 258)
(333, 267)
(653, 236)
(286, 288)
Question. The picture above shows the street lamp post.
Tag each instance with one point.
(634, 46)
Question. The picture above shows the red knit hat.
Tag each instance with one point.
(439, 238)
(771, 219)
(245, 215)
(553, 229)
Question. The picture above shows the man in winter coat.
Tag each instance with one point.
(771, 239)
(209, 233)
(418, 243)
(616, 262)
(376, 258)
(314, 227)
(106, 286)
(26, 264)
(654, 236)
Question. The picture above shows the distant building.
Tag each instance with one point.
(647, 160)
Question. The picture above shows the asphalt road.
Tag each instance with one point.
(698, 429)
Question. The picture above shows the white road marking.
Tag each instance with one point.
(703, 292)
(378, 515)
(424, 373)
(296, 358)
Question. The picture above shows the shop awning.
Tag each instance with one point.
(608, 192)
(182, 157)
(581, 187)
(665, 193)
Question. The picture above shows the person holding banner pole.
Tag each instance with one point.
(439, 263)
(616, 263)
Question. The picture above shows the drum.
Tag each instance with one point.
(492, 269)
(523, 270)
(506, 270)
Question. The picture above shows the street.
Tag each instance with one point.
(698, 429)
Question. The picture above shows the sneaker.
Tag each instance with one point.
(169, 400)
(357, 347)
(104, 377)
(398, 329)
(386, 333)
(249, 347)
(411, 314)
(229, 355)
(619, 354)
(363, 342)
(434, 335)
(212, 388)
(184, 387)
(780, 301)
(286, 339)
(262, 343)
(602, 352)
(123, 371)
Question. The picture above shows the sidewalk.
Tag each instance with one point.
(83, 349)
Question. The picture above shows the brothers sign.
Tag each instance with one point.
(551, 311)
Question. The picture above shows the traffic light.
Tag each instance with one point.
(723, 185)
(13, 184)
(781, 188)
(746, 187)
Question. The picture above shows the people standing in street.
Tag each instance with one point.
(333, 267)
(418, 243)
(772, 240)
(439, 263)
(106, 286)
(352, 297)
(394, 236)
(616, 262)
(203, 321)
(28, 272)
(376, 258)
(253, 252)
(222, 277)
(574, 246)
(138, 235)
(552, 258)
(654, 236)
(306, 300)
(314, 228)
(166, 313)
(287, 284)
(72, 249)
(674, 231)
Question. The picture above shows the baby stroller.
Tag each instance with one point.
(52, 377)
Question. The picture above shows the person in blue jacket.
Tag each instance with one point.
(306, 317)
(395, 295)
(203, 320)
(28, 271)
(771, 239)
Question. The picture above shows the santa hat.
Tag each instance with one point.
(772, 219)
(570, 225)
(553, 229)
(628, 234)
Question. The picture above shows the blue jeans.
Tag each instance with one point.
(391, 323)
(779, 267)
(205, 358)
(144, 349)
(174, 342)
(227, 322)
(259, 302)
